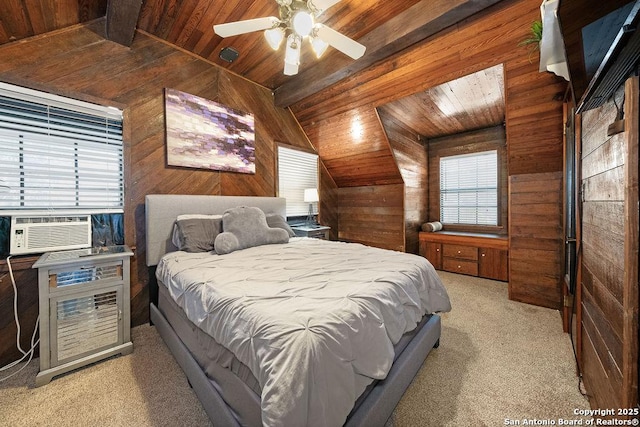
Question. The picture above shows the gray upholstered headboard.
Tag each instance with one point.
(161, 211)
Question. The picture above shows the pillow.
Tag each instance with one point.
(432, 226)
(197, 234)
(278, 221)
(246, 227)
(175, 236)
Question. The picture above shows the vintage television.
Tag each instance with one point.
(602, 45)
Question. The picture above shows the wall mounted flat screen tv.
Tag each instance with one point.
(602, 44)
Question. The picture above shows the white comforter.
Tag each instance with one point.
(314, 320)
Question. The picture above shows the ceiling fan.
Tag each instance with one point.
(297, 22)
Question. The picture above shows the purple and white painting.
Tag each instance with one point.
(207, 135)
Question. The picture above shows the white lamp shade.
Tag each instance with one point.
(302, 23)
(319, 46)
(290, 69)
(311, 195)
(274, 37)
(292, 54)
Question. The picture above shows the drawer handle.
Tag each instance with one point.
(459, 267)
(458, 252)
(437, 250)
(482, 254)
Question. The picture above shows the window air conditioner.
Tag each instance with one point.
(36, 234)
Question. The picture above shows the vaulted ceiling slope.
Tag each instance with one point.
(22, 19)
(475, 101)
(384, 27)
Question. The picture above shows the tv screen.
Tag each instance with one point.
(599, 36)
(602, 46)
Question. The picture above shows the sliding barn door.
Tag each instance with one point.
(609, 272)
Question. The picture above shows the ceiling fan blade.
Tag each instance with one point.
(341, 42)
(246, 26)
(324, 4)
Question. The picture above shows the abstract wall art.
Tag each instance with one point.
(207, 135)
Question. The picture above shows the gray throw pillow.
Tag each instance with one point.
(278, 221)
(197, 234)
(246, 227)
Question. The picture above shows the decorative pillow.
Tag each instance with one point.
(432, 226)
(246, 227)
(197, 234)
(175, 234)
(278, 221)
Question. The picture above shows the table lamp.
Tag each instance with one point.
(310, 196)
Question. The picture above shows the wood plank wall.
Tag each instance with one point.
(410, 155)
(535, 250)
(355, 150)
(356, 153)
(372, 215)
(27, 284)
(80, 63)
(609, 253)
(534, 124)
(328, 209)
(533, 107)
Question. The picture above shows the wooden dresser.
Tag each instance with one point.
(482, 255)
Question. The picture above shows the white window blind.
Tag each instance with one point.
(469, 189)
(58, 153)
(297, 170)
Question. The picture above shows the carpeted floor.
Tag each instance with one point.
(498, 360)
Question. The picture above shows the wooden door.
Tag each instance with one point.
(609, 252)
(433, 252)
(492, 264)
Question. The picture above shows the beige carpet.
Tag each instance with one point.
(497, 360)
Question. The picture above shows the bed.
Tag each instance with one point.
(320, 353)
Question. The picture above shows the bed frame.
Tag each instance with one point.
(161, 212)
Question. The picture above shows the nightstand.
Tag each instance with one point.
(84, 308)
(316, 231)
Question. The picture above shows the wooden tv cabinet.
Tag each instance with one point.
(475, 254)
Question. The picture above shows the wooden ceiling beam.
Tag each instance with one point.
(420, 21)
(122, 17)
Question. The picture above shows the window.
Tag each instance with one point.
(58, 153)
(469, 188)
(297, 171)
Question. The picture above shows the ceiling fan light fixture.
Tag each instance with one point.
(290, 69)
(319, 46)
(319, 6)
(274, 37)
(292, 54)
(296, 22)
(302, 22)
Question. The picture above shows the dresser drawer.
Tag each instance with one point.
(461, 252)
(84, 274)
(460, 266)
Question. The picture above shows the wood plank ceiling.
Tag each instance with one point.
(21, 19)
(471, 102)
(189, 25)
(385, 27)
